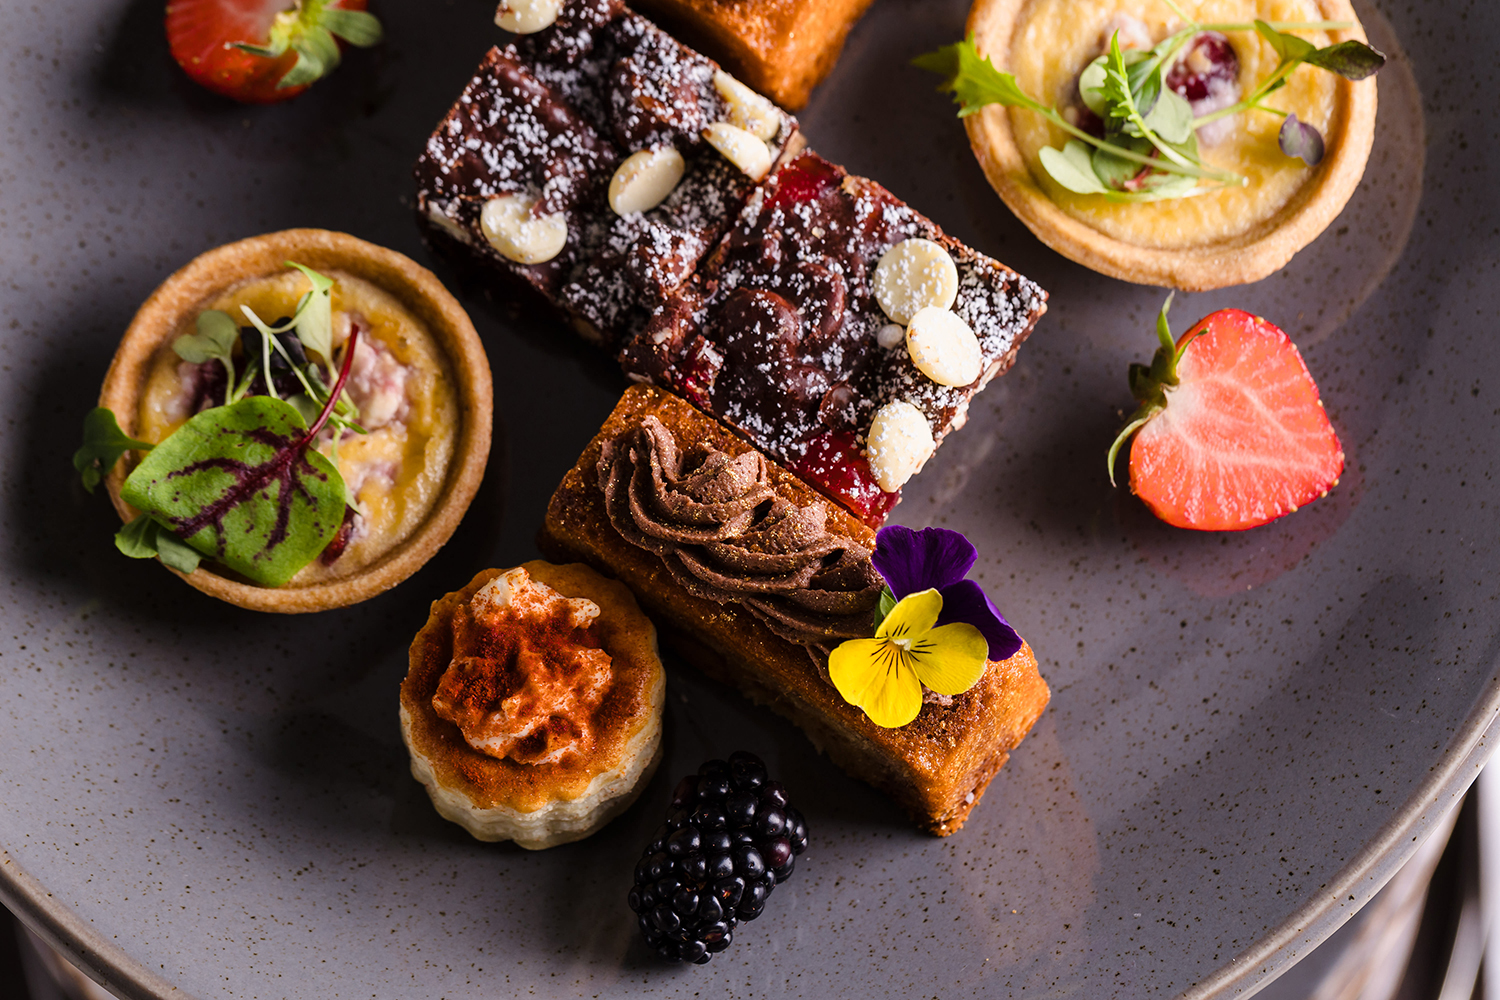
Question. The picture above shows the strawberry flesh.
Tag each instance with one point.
(1243, 439)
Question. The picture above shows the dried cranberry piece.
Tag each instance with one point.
(699, 371)
(1207, 73)
(805, 179)
(836, 465)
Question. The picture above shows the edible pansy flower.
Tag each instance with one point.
(885, 675)
(939, 559)
(936, 629)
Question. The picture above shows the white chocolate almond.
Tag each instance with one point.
(943, 347)
(747, 110)
(438, 215)
(527, 16)
(741, 148)
(913, 275)
(644, 180)
(898, 443)
(518, 235)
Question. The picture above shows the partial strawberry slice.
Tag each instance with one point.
(1230, 433)
(262, 51)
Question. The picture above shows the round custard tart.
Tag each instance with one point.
(532, 708)
(419, 377)
(1232, 235)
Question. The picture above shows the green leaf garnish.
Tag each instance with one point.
(242, 484)
(1071, 167)
(1126, 89)
(103, 444)
(974, 80)
(1352, 60)
(145, 538)
(312, 29)
(217, 334)
(314, 315)
(885, 607)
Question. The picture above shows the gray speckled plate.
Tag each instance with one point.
(1248, 732)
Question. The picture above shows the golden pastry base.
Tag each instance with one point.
(187, 292)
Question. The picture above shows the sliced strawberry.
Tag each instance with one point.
(262, 51)
(1230, 433)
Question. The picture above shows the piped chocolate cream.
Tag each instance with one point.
(727, 536)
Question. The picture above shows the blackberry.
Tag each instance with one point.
(731, 837)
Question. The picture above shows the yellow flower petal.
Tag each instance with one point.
(950, 659)
(874, 675)
(854, 667)
(912, 615)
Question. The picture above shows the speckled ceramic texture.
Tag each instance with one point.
(1247, 733)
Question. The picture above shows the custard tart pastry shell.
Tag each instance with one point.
(1236, 260)
(541, 805)
(187, 292)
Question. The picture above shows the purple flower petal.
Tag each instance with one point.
(966, 601)
(1298, 138)
(912, 561)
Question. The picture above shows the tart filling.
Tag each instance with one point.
(1055, 40)
(400, 382)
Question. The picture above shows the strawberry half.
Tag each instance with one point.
(263, 51)
(1230, 433)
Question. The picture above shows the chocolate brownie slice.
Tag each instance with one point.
(548, 138)
(786, 332)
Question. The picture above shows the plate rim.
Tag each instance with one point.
(110, 965)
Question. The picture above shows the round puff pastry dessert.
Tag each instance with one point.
(419, 377)
(1230, 236)
(533, 704)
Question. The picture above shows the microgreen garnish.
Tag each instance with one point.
(242, 484)
(103, 444)
(312, 29)
(148, 538)
(1149, 384)
(215, 339)
(1297, 138)
(1149, 151)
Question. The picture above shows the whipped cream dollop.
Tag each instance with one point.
(527, 676)
(726, 535)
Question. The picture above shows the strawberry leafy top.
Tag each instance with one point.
(1149, 384)
(312, 29)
